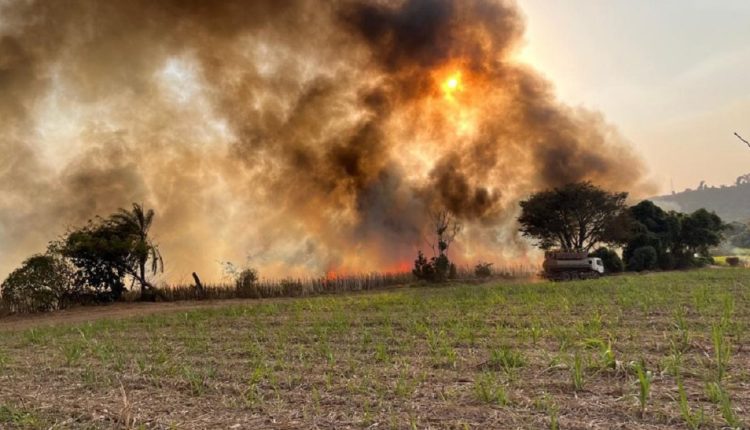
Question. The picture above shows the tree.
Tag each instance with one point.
(446, 228)
(651, 226)
(675, 237)
(42, 283)
(106, 251)
(702, 230)
(136, 224)
(576, 217)
(101, 255)
(439, 267)
(644, 258)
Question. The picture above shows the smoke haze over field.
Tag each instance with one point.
(307, 135)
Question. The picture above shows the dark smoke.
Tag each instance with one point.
(306, 135)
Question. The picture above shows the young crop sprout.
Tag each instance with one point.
(489, 389)
(644, 384)
(577, 373)
(722, 351)
(694, 420)
(719, 395)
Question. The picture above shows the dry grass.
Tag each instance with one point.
(306, 287)
(610, 353)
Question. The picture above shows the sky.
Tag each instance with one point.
(672, 75)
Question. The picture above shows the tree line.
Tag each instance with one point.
(583, 217)
(93, 263)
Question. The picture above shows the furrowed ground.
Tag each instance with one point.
(655, 351)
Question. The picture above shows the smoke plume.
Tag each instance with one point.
(307, 136)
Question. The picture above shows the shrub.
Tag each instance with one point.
(246, 279)
(246, 285)
(644, 258)
(42, 283)
(483, 270)
(442, 267)
(423, 269)
(612, 262)
(437, 269)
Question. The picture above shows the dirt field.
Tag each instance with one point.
(657, 352)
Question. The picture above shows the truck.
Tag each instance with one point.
(571, 265)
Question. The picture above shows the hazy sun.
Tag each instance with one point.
(452, 85)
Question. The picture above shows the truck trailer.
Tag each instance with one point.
(567, 266)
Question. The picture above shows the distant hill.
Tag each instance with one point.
(731, 203)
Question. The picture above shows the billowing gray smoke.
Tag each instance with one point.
(306, 135)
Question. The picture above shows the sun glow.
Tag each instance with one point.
(458, 105)
(452, 85)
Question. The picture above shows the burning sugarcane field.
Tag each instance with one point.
(417, 214)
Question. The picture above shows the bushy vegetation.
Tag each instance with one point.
(436, 269)
(578, 217)
(643, 258)
(670, 240)
(439, 268)
(89, 264)
(483, 270)
(42, 283)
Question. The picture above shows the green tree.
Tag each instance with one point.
(644, 258)
(101, 254)
(575, 217)
(675, 237)
(106, 251)
(653, 227)
(702, 230)
(135, 224)
(42, 283)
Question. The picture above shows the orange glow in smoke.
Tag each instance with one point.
(452, 85)
(459, 103)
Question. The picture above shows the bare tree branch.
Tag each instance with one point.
(446, 228)
(740, 138)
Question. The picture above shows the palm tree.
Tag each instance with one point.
(135, 224)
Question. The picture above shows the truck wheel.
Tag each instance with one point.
(565, 276)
